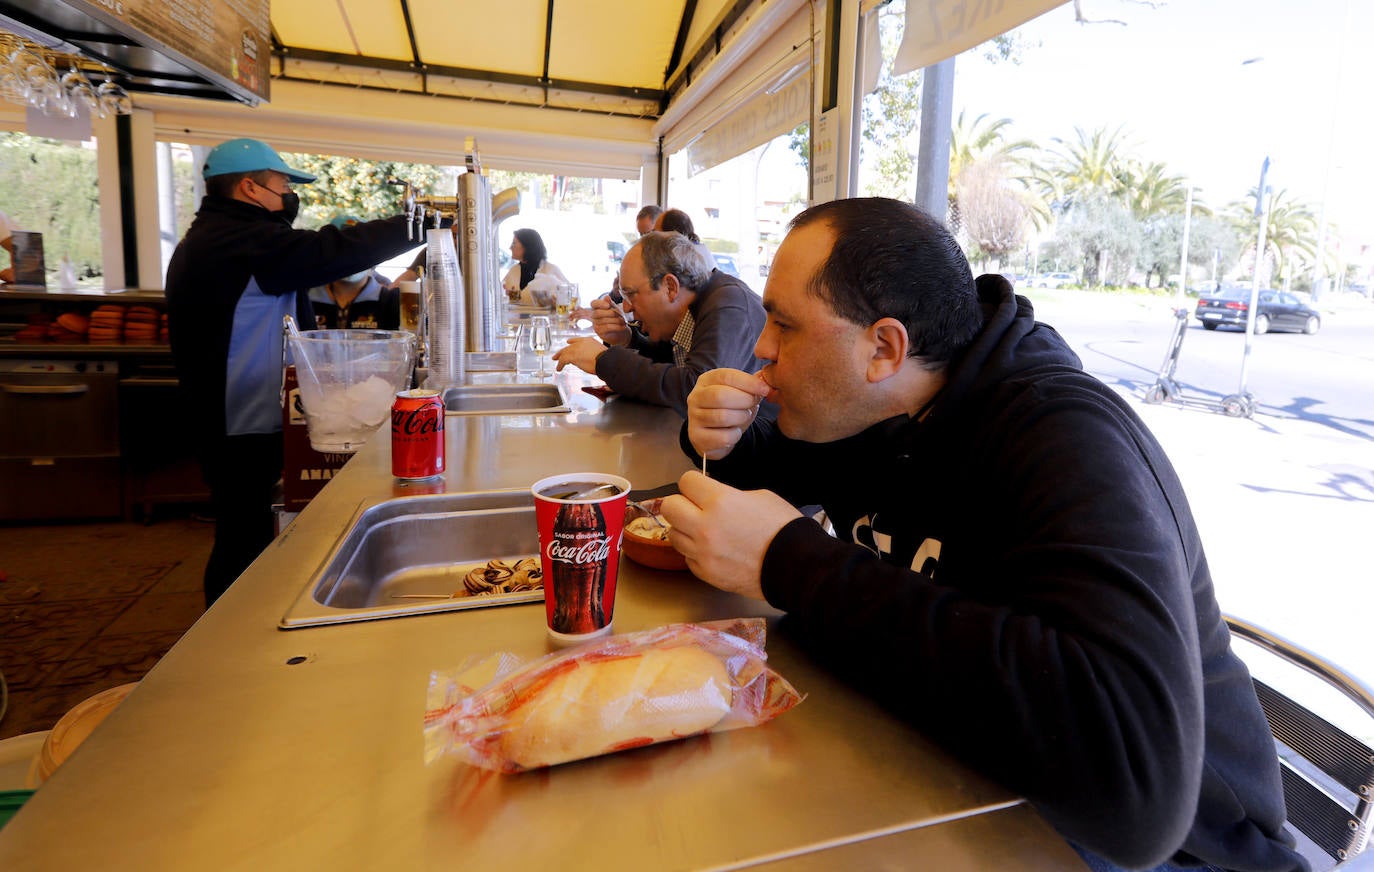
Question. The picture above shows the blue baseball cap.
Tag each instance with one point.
(344, 221)
(246, 156)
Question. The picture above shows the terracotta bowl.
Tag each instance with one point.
(656, 553)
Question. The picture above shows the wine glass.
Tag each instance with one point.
(113, 98)
(541, 338)
(81, 92)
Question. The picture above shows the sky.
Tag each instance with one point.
(1176, 77)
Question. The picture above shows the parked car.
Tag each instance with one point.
(726, 264)
(1054, 280)
(1277, 311)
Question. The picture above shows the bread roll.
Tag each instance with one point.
(73, 322)
(600, 706)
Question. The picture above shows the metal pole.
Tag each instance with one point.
(1319, 267)
(932, 161)
(1183, 266)
(1263, 214)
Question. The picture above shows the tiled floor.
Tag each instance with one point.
(85, 607)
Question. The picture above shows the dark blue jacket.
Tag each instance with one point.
(235, 274)
(1020, 576)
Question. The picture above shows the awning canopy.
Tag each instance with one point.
(604, 56)
(578, 87)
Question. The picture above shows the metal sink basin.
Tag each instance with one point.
(418, 545)
(522, 399)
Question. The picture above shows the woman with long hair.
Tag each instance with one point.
(531, 266)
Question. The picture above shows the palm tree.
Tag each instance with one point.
(984, 141)
(981, 139)
(1151, 190)
(1290, 230)
(1091, 165)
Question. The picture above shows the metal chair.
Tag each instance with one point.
(1328, 775)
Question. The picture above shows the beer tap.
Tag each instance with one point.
(408, 204)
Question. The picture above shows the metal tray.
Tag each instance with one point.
(418, 545)
(505, 399)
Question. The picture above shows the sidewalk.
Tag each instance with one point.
(1286, 509)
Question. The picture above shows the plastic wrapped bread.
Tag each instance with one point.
(617, 693)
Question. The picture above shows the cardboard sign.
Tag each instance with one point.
(28, 258)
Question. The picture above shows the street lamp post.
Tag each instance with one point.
(1241, 404)
(1183, 266)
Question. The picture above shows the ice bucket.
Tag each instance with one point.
(348, 379)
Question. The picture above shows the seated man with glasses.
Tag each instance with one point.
(692, 318)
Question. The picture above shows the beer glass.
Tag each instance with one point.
(410, 306)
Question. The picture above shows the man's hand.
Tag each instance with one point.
(581, 352)
(720, 408)
(724, 532)
(608, 323)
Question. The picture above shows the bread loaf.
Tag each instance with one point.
(598, 706)
(73, 322)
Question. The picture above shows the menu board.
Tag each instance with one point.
(229, 39)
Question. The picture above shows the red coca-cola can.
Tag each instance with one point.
(417, 435)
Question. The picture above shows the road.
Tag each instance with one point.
(1285, 501)
(1327, 378)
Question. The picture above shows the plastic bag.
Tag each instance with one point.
(620, 692)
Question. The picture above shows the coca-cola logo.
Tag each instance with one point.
(579, 553)
(416, 422)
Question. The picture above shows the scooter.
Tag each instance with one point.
(1167, 390)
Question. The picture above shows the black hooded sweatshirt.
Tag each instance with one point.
(1019, 575)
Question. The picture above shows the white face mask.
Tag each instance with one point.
(357, 277)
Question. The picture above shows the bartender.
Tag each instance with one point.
(239, 270)
(358, 300)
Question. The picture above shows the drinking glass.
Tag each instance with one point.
(81, 92)
(113, 98)
(541, 337)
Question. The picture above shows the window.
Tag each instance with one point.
(50, 188)
(752, 197)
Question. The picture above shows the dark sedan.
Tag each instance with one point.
(1277, 311)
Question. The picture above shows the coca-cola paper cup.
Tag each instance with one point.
(580, 517)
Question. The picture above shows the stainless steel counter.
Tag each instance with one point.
(249, 747)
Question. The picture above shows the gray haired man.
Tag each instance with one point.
(692, 318)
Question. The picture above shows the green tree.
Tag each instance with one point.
(1213, 244)
(891, 115)
(352, 186)
(799, 140)
(50, 187)
(993, 213)
(1161, 246)
(1103, 235)
(544, 191)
